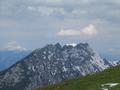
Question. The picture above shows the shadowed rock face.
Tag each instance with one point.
(52, 64)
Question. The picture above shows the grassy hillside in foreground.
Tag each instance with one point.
(90, 82)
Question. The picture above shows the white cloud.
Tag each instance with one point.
(46, 11)
(79, 12)
(88, 30)
(31, 8)
(115, 13)
(54, 1)
(114, 1)
(69, 32)
(47, 1)
(14, 46)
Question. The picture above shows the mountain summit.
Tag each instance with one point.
(50, 65)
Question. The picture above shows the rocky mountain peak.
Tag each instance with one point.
(52, 64)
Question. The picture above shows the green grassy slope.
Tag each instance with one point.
(90, 82)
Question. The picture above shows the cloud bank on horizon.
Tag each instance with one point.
(13, 45)
(65, 21)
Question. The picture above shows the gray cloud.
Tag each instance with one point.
(38, 21)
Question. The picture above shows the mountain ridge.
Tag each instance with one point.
(50, 65)
(106, 80)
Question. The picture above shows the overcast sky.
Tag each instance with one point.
(34, 23)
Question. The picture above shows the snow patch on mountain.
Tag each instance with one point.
(107, 86)
(71, 44)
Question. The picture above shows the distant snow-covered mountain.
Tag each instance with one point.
(52, 64)
(10, 57)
